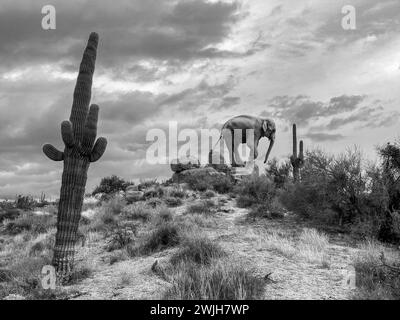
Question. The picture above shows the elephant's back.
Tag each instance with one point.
(243, 121)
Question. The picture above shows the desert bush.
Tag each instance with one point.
(279, 173)
(177, 193)
(9, 214)
(25, 278)
(145, 184)
(198, 250)
(162, 237)
(209, 194)
(111, 185)
(25, 202)
(376, 278)
(31, 222)
(220, 281)
(202, 207)
(155, 191)
(273, 210)
(121, 236)
(202, 182)
(222, 185)
(162, 215)
(173, 201)
(114, 205)
(103, 221)
(117, 256)
(343, 190)
(154, 202)
(255, 190)
(138, 211)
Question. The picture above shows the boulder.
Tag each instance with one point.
(132, 194)
(200, 174)
(182, 164)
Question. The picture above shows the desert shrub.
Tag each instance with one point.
(9, 214)
(376, 278)
(173, 201)
(145, 184)
(220, 281)
(80, 273)
(25, 202)
(154, 192)
(31, 222)
(163, 215)
(222, 185)
(177, 193)
(154, 202)
(279, 173)
(117, 256)
(42, 245)
(198, 250)
(201, 207)
(121, 236)
(202, 182)
(273, 210)
(25, 278)
(111, 185)
(104, 220)
(164, 236)
(255, 190)
(138, 211)
(114, 205)
(209, 194)
(345, 191)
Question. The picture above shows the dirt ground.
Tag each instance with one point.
(288, 275)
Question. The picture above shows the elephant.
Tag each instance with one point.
(247, 129)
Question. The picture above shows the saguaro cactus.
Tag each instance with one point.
(79, 135)
(297, 161)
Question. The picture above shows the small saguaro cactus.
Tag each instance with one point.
(79, 135)
(297, 161)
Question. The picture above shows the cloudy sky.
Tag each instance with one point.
(197, 62)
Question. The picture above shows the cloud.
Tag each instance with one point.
(322, 137)
(131, 30)
(302, 109)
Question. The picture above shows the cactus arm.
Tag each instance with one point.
(90, 130)
(301, 154)
(83, 88)
(294, 141)
(297, 160)
(53, 153)
(98, 149)
(67, 133)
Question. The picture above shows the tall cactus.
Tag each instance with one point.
(79, 135)
(297, 161)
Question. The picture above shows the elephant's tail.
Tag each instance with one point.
(220, 137)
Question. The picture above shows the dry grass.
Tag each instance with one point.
(199, 250)
(202, 207)
(312, 246)
(374, 280)
(223, 280)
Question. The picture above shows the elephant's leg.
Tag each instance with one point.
(239, 161)
(253, 151)
(228, 138)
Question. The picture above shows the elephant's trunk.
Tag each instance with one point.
(271, 144)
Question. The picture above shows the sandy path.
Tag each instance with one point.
(291, 277)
